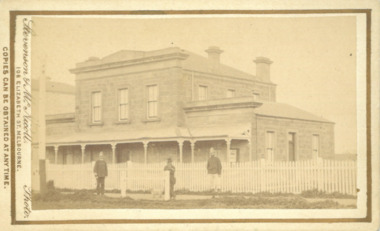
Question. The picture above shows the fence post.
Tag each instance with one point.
(167, 185)
(263, 182)
(319, 170)
(94, 183)
(123, 180)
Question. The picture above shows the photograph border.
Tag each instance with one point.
(368, 12)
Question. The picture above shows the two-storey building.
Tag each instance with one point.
(148, 106)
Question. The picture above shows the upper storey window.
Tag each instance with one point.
(152, 103)
(202, 92)
(96, 106)
(123, 96)
(230, 93)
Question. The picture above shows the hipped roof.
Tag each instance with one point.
(282, 110)
(193, 62)
(199, 63)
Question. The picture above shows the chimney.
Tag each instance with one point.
(263, 68)
(214, 56)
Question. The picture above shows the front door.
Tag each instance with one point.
(291, 146)
(234, 155)
(270, 145)
(315, 146)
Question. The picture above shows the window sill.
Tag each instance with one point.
(152, 120)
(122, 122)
(95, 124)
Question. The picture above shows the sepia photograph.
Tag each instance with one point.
(201, 117)
(194, 112)
(219, 117)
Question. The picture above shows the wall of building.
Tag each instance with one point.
(156, 152)
(304, 131)
(159, 152)
(50, 154)
(62, 129)
(265, 91)
(218, 86)
(92, 152)
(168, 81)
(58, 103)
(66, 155)
(202, 149)
(73, 154)
(133, 151)
(219, 117)
(176, 87)
(243, 149)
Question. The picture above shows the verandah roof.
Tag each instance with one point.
(237, 131)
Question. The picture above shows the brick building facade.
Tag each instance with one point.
(148, 106)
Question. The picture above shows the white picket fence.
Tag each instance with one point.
(257, 176)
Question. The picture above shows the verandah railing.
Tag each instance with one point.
(257, 176)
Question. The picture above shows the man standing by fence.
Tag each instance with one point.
(100, 171)
(169, 167)
(214, 170)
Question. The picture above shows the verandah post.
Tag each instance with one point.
(180, 144)
(83, 149)
(145, 143)
(113, 146)
(56, 147)
(228, 144)
(192, 144)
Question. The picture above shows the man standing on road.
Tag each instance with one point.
(214, 170)
(100, 171)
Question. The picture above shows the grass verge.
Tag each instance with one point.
(86, 199)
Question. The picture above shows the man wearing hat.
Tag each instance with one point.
(169, 167)
(214, 170)
(100, 171)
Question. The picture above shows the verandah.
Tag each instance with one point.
(250, 177)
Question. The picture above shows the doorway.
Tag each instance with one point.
(291, 146)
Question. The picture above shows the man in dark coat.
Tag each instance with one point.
(214, 170)
(169, 167)
(100, 171)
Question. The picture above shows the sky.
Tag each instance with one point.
(314, 58)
